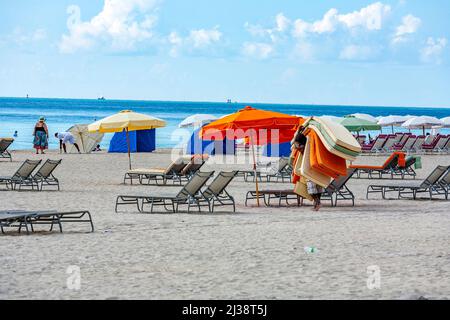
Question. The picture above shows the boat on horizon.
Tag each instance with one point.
(101, 98)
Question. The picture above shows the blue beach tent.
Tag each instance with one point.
(197, 145)
(277, 150)
(140, 141)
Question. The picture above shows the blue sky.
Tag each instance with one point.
(294, 51)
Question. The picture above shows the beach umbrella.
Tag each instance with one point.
(422, 122)
(355, 124)
(391, 121)
(445, 122)
(197, 120)
(126, 120)
(86, 140)
(365, 116)
(258, 126)
(331, 118)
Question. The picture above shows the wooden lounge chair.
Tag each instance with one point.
(29, 219)
(22, 177)
(4, 144)
(338, 190)
(215, 195)
(44, 176)
(186, 196)
(429, 185)
(388, 167)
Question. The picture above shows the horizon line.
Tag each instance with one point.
(233, 102)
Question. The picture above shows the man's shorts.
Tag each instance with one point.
(69, 139)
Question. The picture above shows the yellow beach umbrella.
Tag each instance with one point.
(126, 120)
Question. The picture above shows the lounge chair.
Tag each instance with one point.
(406, 144)
(4, 144)
(437, 143)
(44, 176)
(417, 145)
(338, 190)
(215, 195)
(428, 185)
(282, 170)
(446, 147)
(29, 219)
(388, 167)
(279, 195)
(444, 184)
(22, 177)
(187, 195)
(376, 145)
(406, 170)
(158, 175)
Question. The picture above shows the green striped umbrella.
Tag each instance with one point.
(355, 124)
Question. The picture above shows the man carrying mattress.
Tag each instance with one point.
(66, 137)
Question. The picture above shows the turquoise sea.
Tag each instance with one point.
(21, 114)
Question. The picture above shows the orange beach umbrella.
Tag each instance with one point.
(259, 126)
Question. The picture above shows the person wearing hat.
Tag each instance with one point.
(40, 136)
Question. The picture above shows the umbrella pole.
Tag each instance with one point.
(254, 170)
(392, 129)
(128, 144)
(423, 128)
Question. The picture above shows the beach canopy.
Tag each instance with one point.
(365, 116)
(354, 124)
(126, 120)
(256, 126)
(422, 122)
(87, 141)
(197, 120)
(391, 121)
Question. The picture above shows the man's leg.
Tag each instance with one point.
(64, 147)
(76, 146)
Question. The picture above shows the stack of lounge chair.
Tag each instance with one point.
(4, 145)
(29, 219)
(24, 178)
(191, 195)
(177, 172)
(434, 185)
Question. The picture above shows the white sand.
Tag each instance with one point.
(256, 253)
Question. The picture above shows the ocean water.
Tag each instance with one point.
(21, 114)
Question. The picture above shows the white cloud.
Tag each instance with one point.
(368, 18)
(282, 24)
(120, 24)
(196, 40)
(257, 50)
(410, 24)
(355, 52)
(24, 38)
(202, 37)
(433, 50)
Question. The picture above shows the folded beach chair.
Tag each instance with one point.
(22, 177)
(159, 175)
(29, 219)
(215, 195)
(186, 196)
(279, 195)
(44, 176)
(4, 144)
(338, 190)
(376, 172)
(428, 185)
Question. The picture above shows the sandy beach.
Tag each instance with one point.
(255, 253)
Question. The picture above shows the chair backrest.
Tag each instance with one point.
(5, 143)
(338, 183)
(447, 144)
(404, 138)
(409, 142)
(418, 143)
(194, 185)
(47, 168)
(410, 161)
(434, 176)
(392, 161)
(442, 142)
(283, 163)
(381, 139)
(398, 137)
(192, 167)
(219, 183)
(446, 178)
(176, 166)
(26, 169)
(390, 141)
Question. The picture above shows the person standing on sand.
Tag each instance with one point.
(65, 137)
(40, 134)
(313, 189)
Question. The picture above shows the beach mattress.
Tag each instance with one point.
(332, 148)
(324, 161)
(308, 172)
(339, 134)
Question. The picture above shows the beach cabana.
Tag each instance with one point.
(86, 140)
(197, 120)
(129, 121)
(197, 145)
(140, 141)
